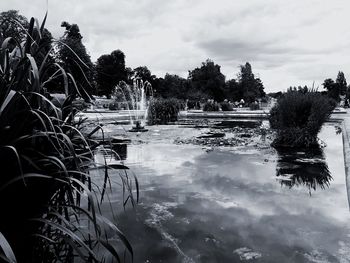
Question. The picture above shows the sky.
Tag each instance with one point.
(288, 43)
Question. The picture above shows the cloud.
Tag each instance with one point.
(287, 43)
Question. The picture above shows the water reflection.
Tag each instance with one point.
(116, 151)
(121, 149)
(303, 168)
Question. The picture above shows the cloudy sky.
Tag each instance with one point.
(294, 42)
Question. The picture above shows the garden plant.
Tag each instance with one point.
(50, 205)
(298, 118)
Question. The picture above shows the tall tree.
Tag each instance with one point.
(341, 82)
(74, 58)
(232, 90)
(110, 69)
(251, 87)
(208, 79)
(332, 88)
(12, 24)
(143, 73)
(129, 75)
(173, 86)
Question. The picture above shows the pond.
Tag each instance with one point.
(205, 203)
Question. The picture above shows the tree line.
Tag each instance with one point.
(101, 77)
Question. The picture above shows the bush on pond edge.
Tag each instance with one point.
(163, 111)
(298, 118)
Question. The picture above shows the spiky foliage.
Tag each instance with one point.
(45, 161)
(163, 111)
(298, 118)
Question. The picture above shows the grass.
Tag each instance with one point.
(298, 118)
(51, 208)
(163, 111)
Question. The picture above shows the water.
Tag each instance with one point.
(229, 205)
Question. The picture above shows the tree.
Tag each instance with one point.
(110, 69)
(172, 86)
(208, 79)
(75, 60)
(129, 75)
(232, 90)
(12, 24)
(341, 82)
(143, 73)
(250, 87)
(332, 88)
(300, 89)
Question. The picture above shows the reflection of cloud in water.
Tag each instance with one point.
(233, 198)
(246, 254)
(308, 168)
(160, 214)
(316, 257)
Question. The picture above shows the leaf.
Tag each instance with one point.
(6, 248)
(111, 249)
(7, 100)
(119, 233)
(67, 232)
(43, 23)
(35, 71)
(118, 166)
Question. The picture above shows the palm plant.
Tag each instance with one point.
(49, 202)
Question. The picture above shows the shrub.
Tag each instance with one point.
(299, 117)
(254, 106)
(113, 106)
(226, 106)
(45, 161)
(210, 105)
(162, 111)
(192, 104)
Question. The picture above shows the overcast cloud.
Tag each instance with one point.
(287, 42)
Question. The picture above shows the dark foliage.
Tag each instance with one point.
(254, 106)
(163, 111)
(75, 60)
(226, 106)
(172, 86)
(336, 88)
(211, 105)
(298, 117)
(45, 160)
(303, 168)
(13, 25)
(110, 70)
(246, 87)
(209, 80)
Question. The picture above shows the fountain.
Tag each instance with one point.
(135, 97)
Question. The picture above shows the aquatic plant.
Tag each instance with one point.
(50, 205)
(163, 111)
(298, 118)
